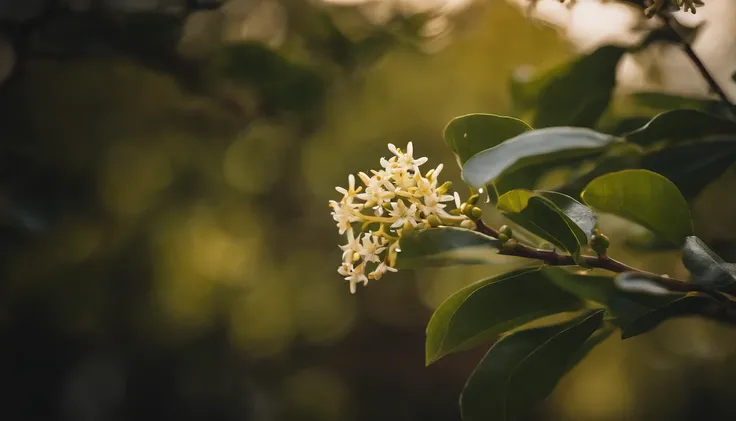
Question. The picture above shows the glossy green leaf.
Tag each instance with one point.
(684, 306)
(469, 134)
(624, 306)
(531, 148)
(529, 177)
(706, 267)
(620, 156)
(583, 218)
(430, 247)
(681, 124)
(490, 307)
(525, 178)
(691, 167)
(579, 96)
(521, 369)
(623, 125)
(643, 197)
(542, 217)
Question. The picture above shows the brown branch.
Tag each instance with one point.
(553, 258)
(672, 24)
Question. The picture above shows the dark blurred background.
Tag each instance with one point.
(167, 249)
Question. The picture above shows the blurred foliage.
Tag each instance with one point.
(162, 204)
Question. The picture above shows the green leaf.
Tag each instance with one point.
(526, 85)
(525, 178)
(528, 177)
(691, 167)
(534, 147)
(579, 96)
(643, 197)
(595, 339)
(431, 247)
(469, 134)
(621, 126)
(488, 308)
(706, 267)
(542, 217)
(643, 283)
(583, 218)
(647, 241)
(620, 156)
(685, 306)
(521, 369)
(678, 125)
(624, 306)
(658, 101)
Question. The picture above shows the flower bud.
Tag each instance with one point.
(467, 224)
(433, 221)
(473, 199)
(510, 245)
(503, 237)
(476, 212)
(465, 209)
(599, 243)
(407, 228)
(506, 230)
(445, 187)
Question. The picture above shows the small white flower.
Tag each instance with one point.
(405, 160)
(345, 269)
(435, 173)
(403, 180)
(349, 193)
(433, 206)
(352, 247)
(403, 214)
(380, 270)
(378, 179)
(344, 215)
(389, 165)
(355, 275)
(424, 186)
(371, 248)
(378, 190)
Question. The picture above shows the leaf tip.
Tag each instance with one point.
(431, 358)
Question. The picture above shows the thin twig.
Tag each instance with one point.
(553, 258)
(671, 23)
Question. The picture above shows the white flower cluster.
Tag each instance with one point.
(396, 200)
